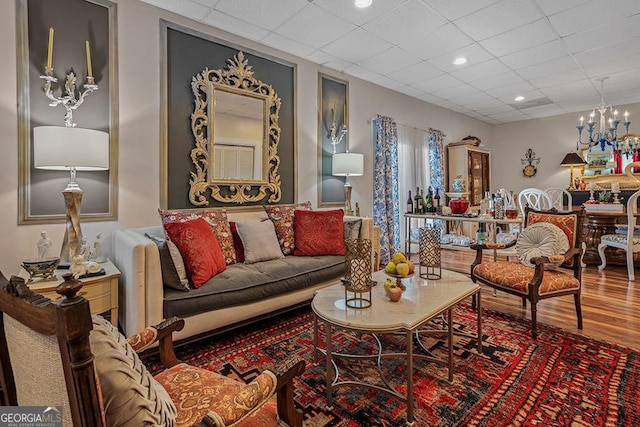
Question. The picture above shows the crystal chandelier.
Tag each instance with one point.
(606, 135)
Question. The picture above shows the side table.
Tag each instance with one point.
(101, 291)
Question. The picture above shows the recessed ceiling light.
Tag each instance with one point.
(519, 98)
(460, 60)
(363, 3)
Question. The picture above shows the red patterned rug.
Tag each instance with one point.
(559, 379)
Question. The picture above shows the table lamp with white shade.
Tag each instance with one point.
(73, 149)
(347, 164)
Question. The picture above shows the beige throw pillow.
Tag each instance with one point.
(259, 240)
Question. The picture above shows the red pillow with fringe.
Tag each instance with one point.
(319, 232)
(199, 248)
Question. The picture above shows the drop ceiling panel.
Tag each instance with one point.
(314, 27)
(437, 42)
(498, 18)
(357, 46)
(480, 71)
(497, 80)
(513, 47)
(269, 15)
(516, 40)
(415, 73)
(409, 20)
(347, 11)
(390, 60)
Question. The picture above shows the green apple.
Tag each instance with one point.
(390, 268)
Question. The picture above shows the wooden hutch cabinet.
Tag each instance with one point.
(474, 164)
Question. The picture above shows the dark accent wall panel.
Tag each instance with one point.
(189, 54)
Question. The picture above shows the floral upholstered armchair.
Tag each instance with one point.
(47, 347)
(548, 264)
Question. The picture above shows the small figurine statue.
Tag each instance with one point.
(85, 249)
(97, 249)
(44, 245)
(80, 267)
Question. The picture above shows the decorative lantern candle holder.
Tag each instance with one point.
(430, 265)
(357, 281)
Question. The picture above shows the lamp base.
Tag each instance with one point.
(73, 232)
(347, 199)
(572, 187)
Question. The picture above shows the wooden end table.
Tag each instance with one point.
(101, 291)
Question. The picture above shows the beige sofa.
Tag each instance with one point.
(142, 294)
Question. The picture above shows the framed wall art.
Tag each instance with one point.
(333, 137)
(76, 40)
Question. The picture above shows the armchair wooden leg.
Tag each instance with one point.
(524, 303)
(286, 406)
(534, 319)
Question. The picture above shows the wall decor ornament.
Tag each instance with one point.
(237, 77)
(530, 160)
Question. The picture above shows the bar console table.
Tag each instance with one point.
(454, 221)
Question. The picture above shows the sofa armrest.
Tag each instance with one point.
(140, 290)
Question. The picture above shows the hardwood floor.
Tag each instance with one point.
(610, 303)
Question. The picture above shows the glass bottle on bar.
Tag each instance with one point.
(436, 201)
(429, 201)
(410, 204)
(484, 205)
(416, 201)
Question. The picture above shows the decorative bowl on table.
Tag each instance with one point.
(399, 279)
(41, 267)
(459, 206)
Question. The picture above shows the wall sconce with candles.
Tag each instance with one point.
(69, 147)
(335, 135)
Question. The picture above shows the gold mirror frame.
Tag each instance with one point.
(237, 77)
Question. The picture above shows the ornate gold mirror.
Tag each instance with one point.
(236, 132)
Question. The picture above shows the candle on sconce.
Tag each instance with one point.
(591, 116)
(581, 120)
(591, 186)
(626, 116)
(615, 114)
(89, 68)
(50, 48)
(333, 121)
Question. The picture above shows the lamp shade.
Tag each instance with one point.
(348, 164)
(572, 159)
(63, 148)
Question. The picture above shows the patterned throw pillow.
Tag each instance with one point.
(217, 219)
(282, 218)
(541, 239)
(319, 233)
(132, 397)
(199, 249)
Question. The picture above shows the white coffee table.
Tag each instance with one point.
(422, 301)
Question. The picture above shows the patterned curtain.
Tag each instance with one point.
(386, 201)
(436, 164)
(436, 159)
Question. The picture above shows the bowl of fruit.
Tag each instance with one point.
(399, 268)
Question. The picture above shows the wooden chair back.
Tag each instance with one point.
(58, 353)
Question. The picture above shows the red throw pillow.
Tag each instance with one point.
(319, 232)
(237, 242)
(199, 248)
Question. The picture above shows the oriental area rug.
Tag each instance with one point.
(559, 379)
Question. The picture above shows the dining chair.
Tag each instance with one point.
(557, 196)
(535, 198)
(629, 241)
